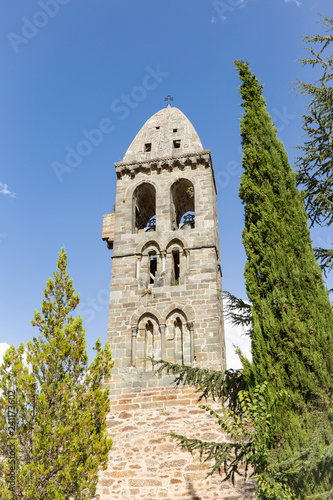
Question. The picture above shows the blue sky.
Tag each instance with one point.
(67, 67)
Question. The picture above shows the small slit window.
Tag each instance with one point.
(176, 144)
(175, 130)
(148, 147)
(157, 128)
(176, 266)
(152, 267)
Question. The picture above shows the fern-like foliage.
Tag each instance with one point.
(237, 311)
(221, 386)
(247, 449)
(325, 259)
(227, 457)
(246, 417)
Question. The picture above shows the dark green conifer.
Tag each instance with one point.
(292, 336)
(278, 409)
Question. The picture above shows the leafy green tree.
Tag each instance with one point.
(53, 407)
(315, 165)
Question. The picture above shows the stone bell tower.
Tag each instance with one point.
(166, 273)
(165, 304)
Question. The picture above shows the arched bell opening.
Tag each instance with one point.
(182, 205)
(144, 208)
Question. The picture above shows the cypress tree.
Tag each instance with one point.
(292, 336)
(278, 408)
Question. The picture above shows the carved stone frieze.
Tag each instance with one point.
(166, 164)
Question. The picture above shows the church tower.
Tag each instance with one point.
(166, 273)
(165, 303)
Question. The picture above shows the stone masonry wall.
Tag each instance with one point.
(145, 464)
(197, 298)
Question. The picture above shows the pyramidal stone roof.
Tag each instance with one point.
(166, 134)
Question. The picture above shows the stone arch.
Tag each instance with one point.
(178, 337)
(177, 261)
(176, 311)
(148, 341)
(181, 175)
(150, 245)
(180, 241)
(187, 310)
(144, 207)
(149, 315)
(150, 263)
(142, 246)
(141, 311)
(131, 188)
(182, 204)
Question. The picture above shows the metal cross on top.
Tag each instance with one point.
(168, 98)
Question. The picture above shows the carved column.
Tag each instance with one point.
(134, 335)
(163, 354)
(190, 326)
(187, 257)
(163, 254)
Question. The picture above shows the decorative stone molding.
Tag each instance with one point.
(160, 164)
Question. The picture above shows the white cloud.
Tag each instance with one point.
(3, 348)
(5, 190)
(297, 2)
(235, 336)
(213, 20)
